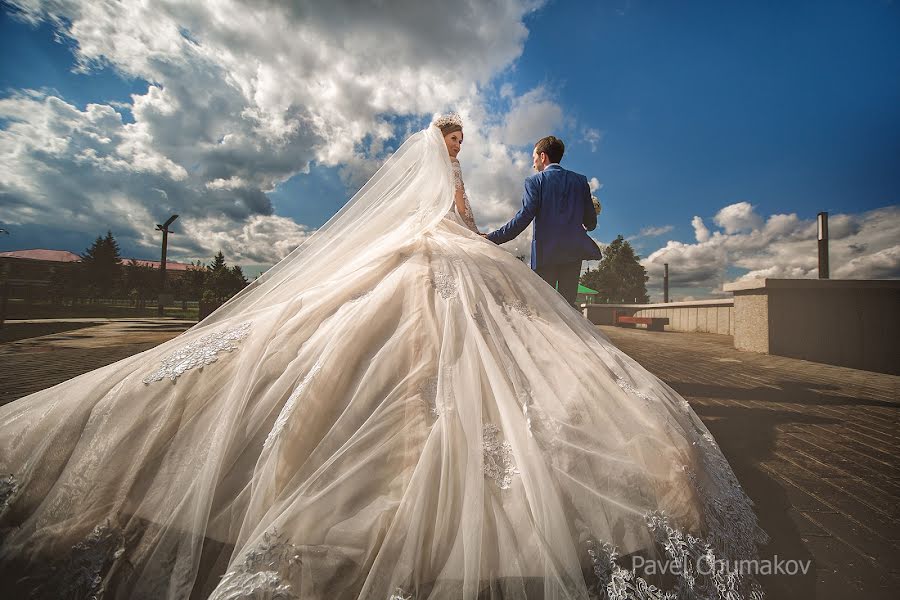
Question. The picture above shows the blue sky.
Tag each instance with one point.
(789, 107)
(792, 106)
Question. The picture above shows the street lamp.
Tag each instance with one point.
(822, 222)
(162, 263)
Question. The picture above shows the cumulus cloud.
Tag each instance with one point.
(531, 117)
(260, 238)
(737, 217)
(595, 184)
(700, 230)
(242, 97)
(862, 246)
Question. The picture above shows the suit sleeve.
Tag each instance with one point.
(590, 214)
(531, 201)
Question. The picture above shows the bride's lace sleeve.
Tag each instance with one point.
(462, 200)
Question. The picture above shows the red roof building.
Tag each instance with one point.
(64, 256)
(27, 273)
(41, 254)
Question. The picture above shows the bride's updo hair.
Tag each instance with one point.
(448, 123)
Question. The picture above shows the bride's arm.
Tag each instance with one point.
(462, 200)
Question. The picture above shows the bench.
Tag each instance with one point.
(652, 323)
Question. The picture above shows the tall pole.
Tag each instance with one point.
(666, 284)
(162, 262)
(823, 245)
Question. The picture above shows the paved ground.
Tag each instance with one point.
(32, 364)
(815, 446)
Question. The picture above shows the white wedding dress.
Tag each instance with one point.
(398, 410)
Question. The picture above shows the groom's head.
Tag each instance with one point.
(547, 151)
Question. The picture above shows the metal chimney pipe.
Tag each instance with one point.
(666, 284)
(823, 245)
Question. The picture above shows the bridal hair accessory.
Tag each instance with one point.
(448, 120)
(597, 206)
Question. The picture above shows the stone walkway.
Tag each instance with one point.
(815, 446)
(32, 364)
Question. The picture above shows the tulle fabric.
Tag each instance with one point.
(416, 416)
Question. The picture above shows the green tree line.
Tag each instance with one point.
(103, 274)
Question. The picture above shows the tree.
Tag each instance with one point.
(192, 284)
(620, 277)
(141, 282)
(218, 277)
(224, 282)
(100, 265)
(237, 281)
(218, 263)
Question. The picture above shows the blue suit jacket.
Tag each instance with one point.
(559, 203)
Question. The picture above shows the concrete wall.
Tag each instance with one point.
(843, 322)
(751, 318)
(705, 316)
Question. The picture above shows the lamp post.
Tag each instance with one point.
(162, 263)
(666, 284)
(822, 221)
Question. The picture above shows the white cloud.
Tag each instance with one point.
(700, 230)
(737, 217)
(653, 231)
(595, 184)
(244, 96)
(531, 117)
(259, 239)
(862, 246)
(593, 137)
(879, 265)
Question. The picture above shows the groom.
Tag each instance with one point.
(559, 203)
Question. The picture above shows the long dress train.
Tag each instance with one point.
(399, 410)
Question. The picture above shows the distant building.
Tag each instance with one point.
(28, 272)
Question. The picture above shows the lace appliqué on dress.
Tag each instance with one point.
(701, 574)
(444, 284)
(437, 406)
(517, 305)
(622, 383)
(727, 510)
(480, 321)
(497, 457)
(86, 571)
(400, 595)
(288, 408)
(9, 487)
(266, 571)
(199, 353)
(466, 216)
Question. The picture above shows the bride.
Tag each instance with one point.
(398, 410)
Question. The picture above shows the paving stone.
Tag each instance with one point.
(815, 447)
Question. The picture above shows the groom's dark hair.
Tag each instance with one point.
(552, 146)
